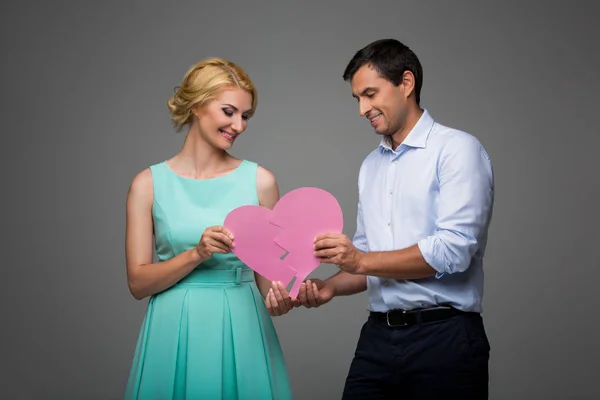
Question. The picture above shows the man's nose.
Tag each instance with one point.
(363, 107)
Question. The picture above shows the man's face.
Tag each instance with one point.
(382, 103)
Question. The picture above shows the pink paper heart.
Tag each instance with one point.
(262, 237)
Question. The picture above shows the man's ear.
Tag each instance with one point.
(408, 83)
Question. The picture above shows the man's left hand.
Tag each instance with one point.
(336, 248)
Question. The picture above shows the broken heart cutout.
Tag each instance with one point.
(278, 243)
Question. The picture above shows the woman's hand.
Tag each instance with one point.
(215, 239)
(278, 300)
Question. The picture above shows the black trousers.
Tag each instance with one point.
(446, 359)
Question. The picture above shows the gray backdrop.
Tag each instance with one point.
(84, 86)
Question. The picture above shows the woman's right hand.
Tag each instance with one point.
(215, 239)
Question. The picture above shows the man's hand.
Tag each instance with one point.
(314, 293)
(336, 248)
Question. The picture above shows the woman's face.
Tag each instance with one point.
(224, 118)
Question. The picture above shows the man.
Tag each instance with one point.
(425, 203)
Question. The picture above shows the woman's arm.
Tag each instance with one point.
(144, 277)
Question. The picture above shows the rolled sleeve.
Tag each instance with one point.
(360, 239)
(466, 195)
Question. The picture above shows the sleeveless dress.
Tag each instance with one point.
(209, 336)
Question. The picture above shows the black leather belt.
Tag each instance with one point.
(403, 318)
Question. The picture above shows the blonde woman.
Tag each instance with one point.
(207, 332)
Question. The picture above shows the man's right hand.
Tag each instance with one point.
(314, 293)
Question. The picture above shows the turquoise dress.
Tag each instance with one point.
(210, 335)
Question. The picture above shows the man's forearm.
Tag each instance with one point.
(346, 284)
(398, 264)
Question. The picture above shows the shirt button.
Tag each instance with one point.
(395, 161)
(389, 223)
(385, 283)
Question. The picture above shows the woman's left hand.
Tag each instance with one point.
(278, 300)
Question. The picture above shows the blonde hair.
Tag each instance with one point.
(202, 83)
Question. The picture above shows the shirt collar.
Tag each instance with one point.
(417, 137)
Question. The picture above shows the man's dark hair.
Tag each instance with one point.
(390, 58)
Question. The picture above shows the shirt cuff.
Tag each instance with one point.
(427, 249)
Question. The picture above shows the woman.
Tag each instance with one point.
(207, 332)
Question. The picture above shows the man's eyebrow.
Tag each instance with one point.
(369, 89)
(364, 91)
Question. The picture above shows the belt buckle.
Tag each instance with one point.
(387, 319)
(238, 276)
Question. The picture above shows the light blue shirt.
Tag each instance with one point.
(435, 190)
